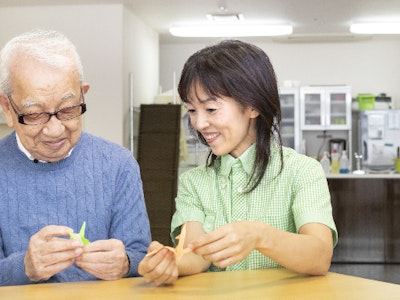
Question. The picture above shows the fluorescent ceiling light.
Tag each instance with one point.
(375, 28)
(233, 30)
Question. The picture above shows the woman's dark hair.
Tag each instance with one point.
(243, 72)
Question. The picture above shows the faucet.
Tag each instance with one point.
(358, 169)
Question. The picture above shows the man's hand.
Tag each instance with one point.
(49, 254)
(105, 259)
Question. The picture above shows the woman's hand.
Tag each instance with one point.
(159, 268)
(307, 252)
(227, 244)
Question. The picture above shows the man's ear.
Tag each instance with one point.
(7, 110)
(3, 100)
(85, 88)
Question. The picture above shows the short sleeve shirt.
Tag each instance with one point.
(215, 196)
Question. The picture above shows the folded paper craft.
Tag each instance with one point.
(80, 236)
(178, 251)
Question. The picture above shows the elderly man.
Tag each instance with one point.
(54, 177)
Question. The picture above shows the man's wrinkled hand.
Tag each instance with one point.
(48, 253)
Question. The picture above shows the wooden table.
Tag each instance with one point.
(260, 284)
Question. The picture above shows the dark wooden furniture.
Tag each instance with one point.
(158, 157)
(367, 216)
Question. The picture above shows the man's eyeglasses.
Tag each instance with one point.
(64, 114)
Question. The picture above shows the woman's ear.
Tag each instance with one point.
(253, 113)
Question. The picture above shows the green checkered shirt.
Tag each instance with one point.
(214, 197)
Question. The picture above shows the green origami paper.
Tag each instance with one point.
(80, 236)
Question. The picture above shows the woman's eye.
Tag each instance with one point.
(191, 111)
(210, 110)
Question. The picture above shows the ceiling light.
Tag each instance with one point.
(375, 28)
(232, 30)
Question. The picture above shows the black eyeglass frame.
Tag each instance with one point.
(49, 115)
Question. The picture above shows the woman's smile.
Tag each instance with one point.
(210, 137)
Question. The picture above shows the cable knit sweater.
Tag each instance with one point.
(98, 183)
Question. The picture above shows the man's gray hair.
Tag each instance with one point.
(49, 46)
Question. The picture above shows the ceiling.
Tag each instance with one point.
(311, 19)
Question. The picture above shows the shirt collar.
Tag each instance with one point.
(26, 152)
(246, 160)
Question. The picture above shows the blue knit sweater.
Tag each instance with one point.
(98, 183)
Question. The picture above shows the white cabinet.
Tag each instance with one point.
(290, 104)
(325, 107)
(325, 113)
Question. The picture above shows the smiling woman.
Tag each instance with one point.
(255, 204)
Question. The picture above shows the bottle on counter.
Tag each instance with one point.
(344, 163)
(326, 163)
(335, 162)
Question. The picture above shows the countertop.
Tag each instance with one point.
(364, 176)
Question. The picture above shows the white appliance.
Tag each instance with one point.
(379, 138)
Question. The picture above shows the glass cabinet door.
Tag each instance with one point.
(289, 98)
(287, 124)
(313, 109)
(338, 114)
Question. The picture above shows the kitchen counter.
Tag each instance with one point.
(364, 176)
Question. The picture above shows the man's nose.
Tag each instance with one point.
(54, 126)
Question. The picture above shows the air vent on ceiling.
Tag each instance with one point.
(225, 18)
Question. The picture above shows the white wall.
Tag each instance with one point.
(101, 34)
(368, 66)
(113, 42)
(141, 59)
